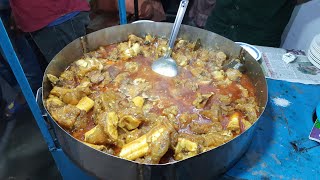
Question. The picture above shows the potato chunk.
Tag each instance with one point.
(234, 123)
(138, 101)
(85, 104)
(185, 149)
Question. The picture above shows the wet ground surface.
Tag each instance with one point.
(24, 153)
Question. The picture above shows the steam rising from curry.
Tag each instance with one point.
(112, 101)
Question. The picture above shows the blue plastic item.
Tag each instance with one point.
(122, 11)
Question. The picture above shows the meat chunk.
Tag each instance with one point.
(215, 139)
(181, 58)
(52, 78)
(53, 102)
(133, 135)
(233, 74)
(246, 124)
(221, 57)
(109, 124)
(120, 78)
(59, 91)
(132, 67)
(201, 100)
(204, 128)
(68, 78)
(129, 122)
(88, 64)
(135, 39)
(149, 39)
(135, 88)
(144, 145)
(95, 76)
(128, 50)
(73, 97)
(249, 108)
(113, 71)
(244, 91)
(66, 115)
(158, 146)
(107, 78)
(214, 113)
(186, 118)
(171, 110)
(96, 136)
(224, 99)
(185, 149)
(218, 75)
(81, 121)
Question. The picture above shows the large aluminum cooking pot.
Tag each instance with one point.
(203, 166)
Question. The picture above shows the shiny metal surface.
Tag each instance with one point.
(203, 166)
(165, 65)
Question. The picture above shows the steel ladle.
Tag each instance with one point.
(165, 65)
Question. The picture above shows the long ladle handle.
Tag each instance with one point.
(177, 23)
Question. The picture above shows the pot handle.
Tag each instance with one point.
(47, 118)
(40, 102)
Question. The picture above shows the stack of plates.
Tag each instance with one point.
(314, 51)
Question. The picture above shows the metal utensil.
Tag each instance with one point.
(165, 65)
(237, 63)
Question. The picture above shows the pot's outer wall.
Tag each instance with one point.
(203, 166)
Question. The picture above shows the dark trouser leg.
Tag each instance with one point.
(51, 40)
(27, 58)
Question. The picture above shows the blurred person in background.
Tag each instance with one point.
(51, 24)
(29, 61)
(256, 22)
(199, 12)
(106, 13)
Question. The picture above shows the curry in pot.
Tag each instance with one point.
(112, 101)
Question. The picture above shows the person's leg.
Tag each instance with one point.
(52, 40)
(29, 62)
(30, 65)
